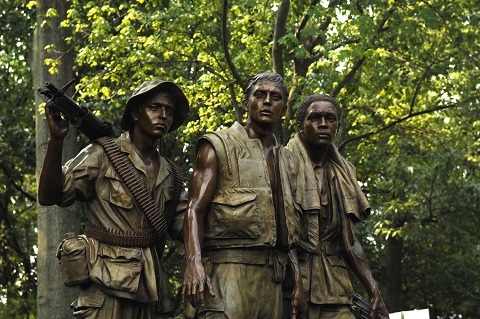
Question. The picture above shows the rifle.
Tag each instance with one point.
(80, 117)
(361, 308)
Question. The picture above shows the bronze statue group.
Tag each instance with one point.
(269, 231)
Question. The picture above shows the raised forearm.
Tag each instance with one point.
(50, 182)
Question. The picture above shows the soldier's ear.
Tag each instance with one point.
(300, 126)
(134, 114)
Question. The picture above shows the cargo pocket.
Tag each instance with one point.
(88, 303)
(212, 304)
(235, 216)
(118, 268)
(341, 278)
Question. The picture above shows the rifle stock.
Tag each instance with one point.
(80, 117)
(361, 308)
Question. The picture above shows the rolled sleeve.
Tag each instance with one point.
(79, 176)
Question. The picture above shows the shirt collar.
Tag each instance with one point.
(127, 147)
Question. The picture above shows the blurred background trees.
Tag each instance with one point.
(406, 74)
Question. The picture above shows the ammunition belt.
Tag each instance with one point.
(121, 238)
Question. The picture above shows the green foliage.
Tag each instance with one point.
(425, 190)
(17, 166)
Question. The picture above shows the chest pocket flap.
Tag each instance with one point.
(115, 191)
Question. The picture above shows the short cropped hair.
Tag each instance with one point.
(269, 76)
(302, 108)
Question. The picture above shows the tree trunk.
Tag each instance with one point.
(278, 33)
(300, 72)
(393, 269)
(53, 298)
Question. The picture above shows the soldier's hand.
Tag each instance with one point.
(377, 306)
(299, 305)
(57, 125)
(194, 282)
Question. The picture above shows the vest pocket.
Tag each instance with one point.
(236, 216)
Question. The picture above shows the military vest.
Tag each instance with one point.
(242, 213)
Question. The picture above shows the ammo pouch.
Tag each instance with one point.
(279, 261)
(72, 255)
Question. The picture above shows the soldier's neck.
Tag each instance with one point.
(318, 154)
(145, 146)
(264, 133)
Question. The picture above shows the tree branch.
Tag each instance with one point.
(393, 123)
(347, 77)
(226, 52)
(475, 60)
(417, 87)
(305, 19)
(358, 64)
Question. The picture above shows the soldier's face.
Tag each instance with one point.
(266, 103)
(155, 117)
(320, 124)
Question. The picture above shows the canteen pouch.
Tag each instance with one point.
(72, 255)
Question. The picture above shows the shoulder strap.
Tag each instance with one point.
(137, 187)
(217, 139)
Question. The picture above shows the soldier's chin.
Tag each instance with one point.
(268, 119)
(322, 141)
(159, 133)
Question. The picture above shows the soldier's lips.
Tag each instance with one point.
(160, 126)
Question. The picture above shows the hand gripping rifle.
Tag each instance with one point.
(80, 117)
(361, 308)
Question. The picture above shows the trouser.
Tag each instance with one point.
(330, 312)
(316, 311)
(242, 291)
(93, 303)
